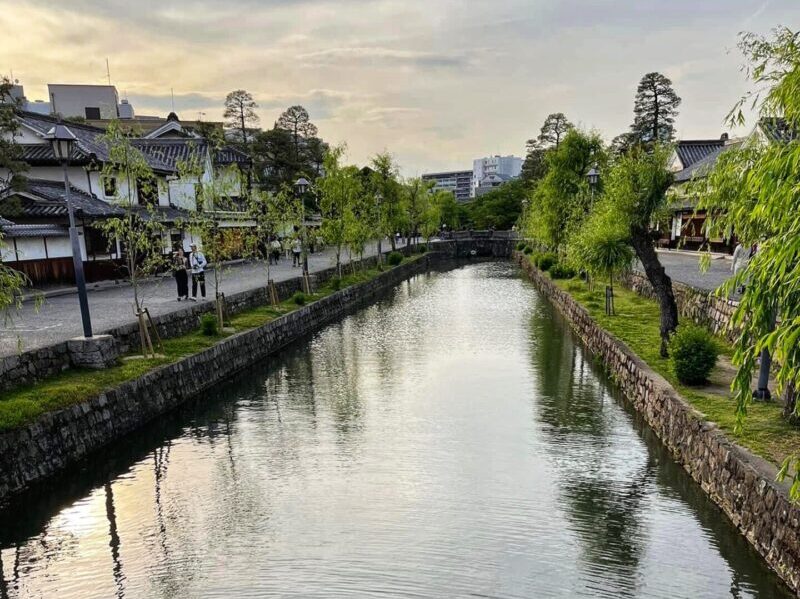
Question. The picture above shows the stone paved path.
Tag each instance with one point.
(58, 318)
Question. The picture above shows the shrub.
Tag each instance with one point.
(527, 250)
(335, 283)
(521, 246)
(299, 298)
(394, 258)
(560, 271)
(694, 354)
(546, 260)
(208, 324)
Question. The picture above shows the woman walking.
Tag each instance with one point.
(179, 272)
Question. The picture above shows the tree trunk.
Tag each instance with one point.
(662, 284)
(790, 404)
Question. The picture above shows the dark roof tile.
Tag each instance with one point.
(40, 198)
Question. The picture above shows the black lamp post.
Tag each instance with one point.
(593, 177)
(379, 203)
(301, 186)
(62, 140)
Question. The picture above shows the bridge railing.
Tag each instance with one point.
(484, 234)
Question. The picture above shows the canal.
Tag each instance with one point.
(451, 440)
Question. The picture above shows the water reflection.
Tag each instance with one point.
(451, 440)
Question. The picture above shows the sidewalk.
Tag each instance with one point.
(58, 318)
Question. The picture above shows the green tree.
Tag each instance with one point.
(241, 117)
(296, 121)
(562, 198)
(602, 246)
(555, 128)
(339, 190)
(499, 208)
(755, 191)
(416, 200)
(140, 230)
(636, 189)
(271, 215)
(389, 190)
(655, 109)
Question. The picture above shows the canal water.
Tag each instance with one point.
(450, 441)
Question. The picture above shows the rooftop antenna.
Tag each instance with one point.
(172, 92)
(108, 71)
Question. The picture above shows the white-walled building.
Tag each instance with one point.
(37, 236)
(457, 182)
(508, 167)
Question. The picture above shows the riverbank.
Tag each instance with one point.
(739, 482)
(97, 414)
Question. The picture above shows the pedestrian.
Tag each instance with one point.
(741, 258)
(287, 247)
(180, 274)
(198, 263)
(275, 250)
(297, 249)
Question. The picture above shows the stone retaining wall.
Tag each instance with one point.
(740, 483)
(38, 364)
(699, 305)
(61, 438)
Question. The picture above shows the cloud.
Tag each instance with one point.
(382, 57)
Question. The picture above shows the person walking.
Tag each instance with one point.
(297, 249)
(180, 274)
(275, 250)
(741, 258)
(198, 263)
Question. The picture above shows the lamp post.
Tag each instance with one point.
(301, 187)
(379, 203)
(593, 177)
(62, 140)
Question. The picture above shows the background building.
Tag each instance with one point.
(507, 167)
(458, 182)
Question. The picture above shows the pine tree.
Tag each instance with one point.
(240, 115)
(655, 109)
(555, 127)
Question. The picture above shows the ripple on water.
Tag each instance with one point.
(450, 441)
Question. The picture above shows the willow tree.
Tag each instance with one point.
(636, 189)
(416, 200)
(755, 191)
(139, 231)
(271, 214)
(339, 190)
(389, 190)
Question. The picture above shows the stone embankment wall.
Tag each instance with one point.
(37, 364)
(740, 483)
(700, 306)
(61, 438)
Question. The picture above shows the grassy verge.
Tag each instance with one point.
(22, 406)
(766, 433)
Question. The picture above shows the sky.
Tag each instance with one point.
(436, 83)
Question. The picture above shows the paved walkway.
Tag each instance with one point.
(58, 318)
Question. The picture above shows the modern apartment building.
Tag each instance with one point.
(459, 182)
(507, 167)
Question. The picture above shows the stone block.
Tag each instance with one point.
(96, 352)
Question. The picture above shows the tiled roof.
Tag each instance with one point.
(89, 143)
(702, 167)
(229, 155)
(167, 214)
(45, 230)
(172, 151)
(693, 151)
(778, 129)
(5, 223)
(46, 199)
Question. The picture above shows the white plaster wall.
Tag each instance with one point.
(59, 247)
(30, 248)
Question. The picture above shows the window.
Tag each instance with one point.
(96, 242)
(92, 112)
(110, 186)
(147, 192)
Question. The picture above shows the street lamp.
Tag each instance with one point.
(62, 141)
(301, 186)
(593, 177)
(379, 203)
